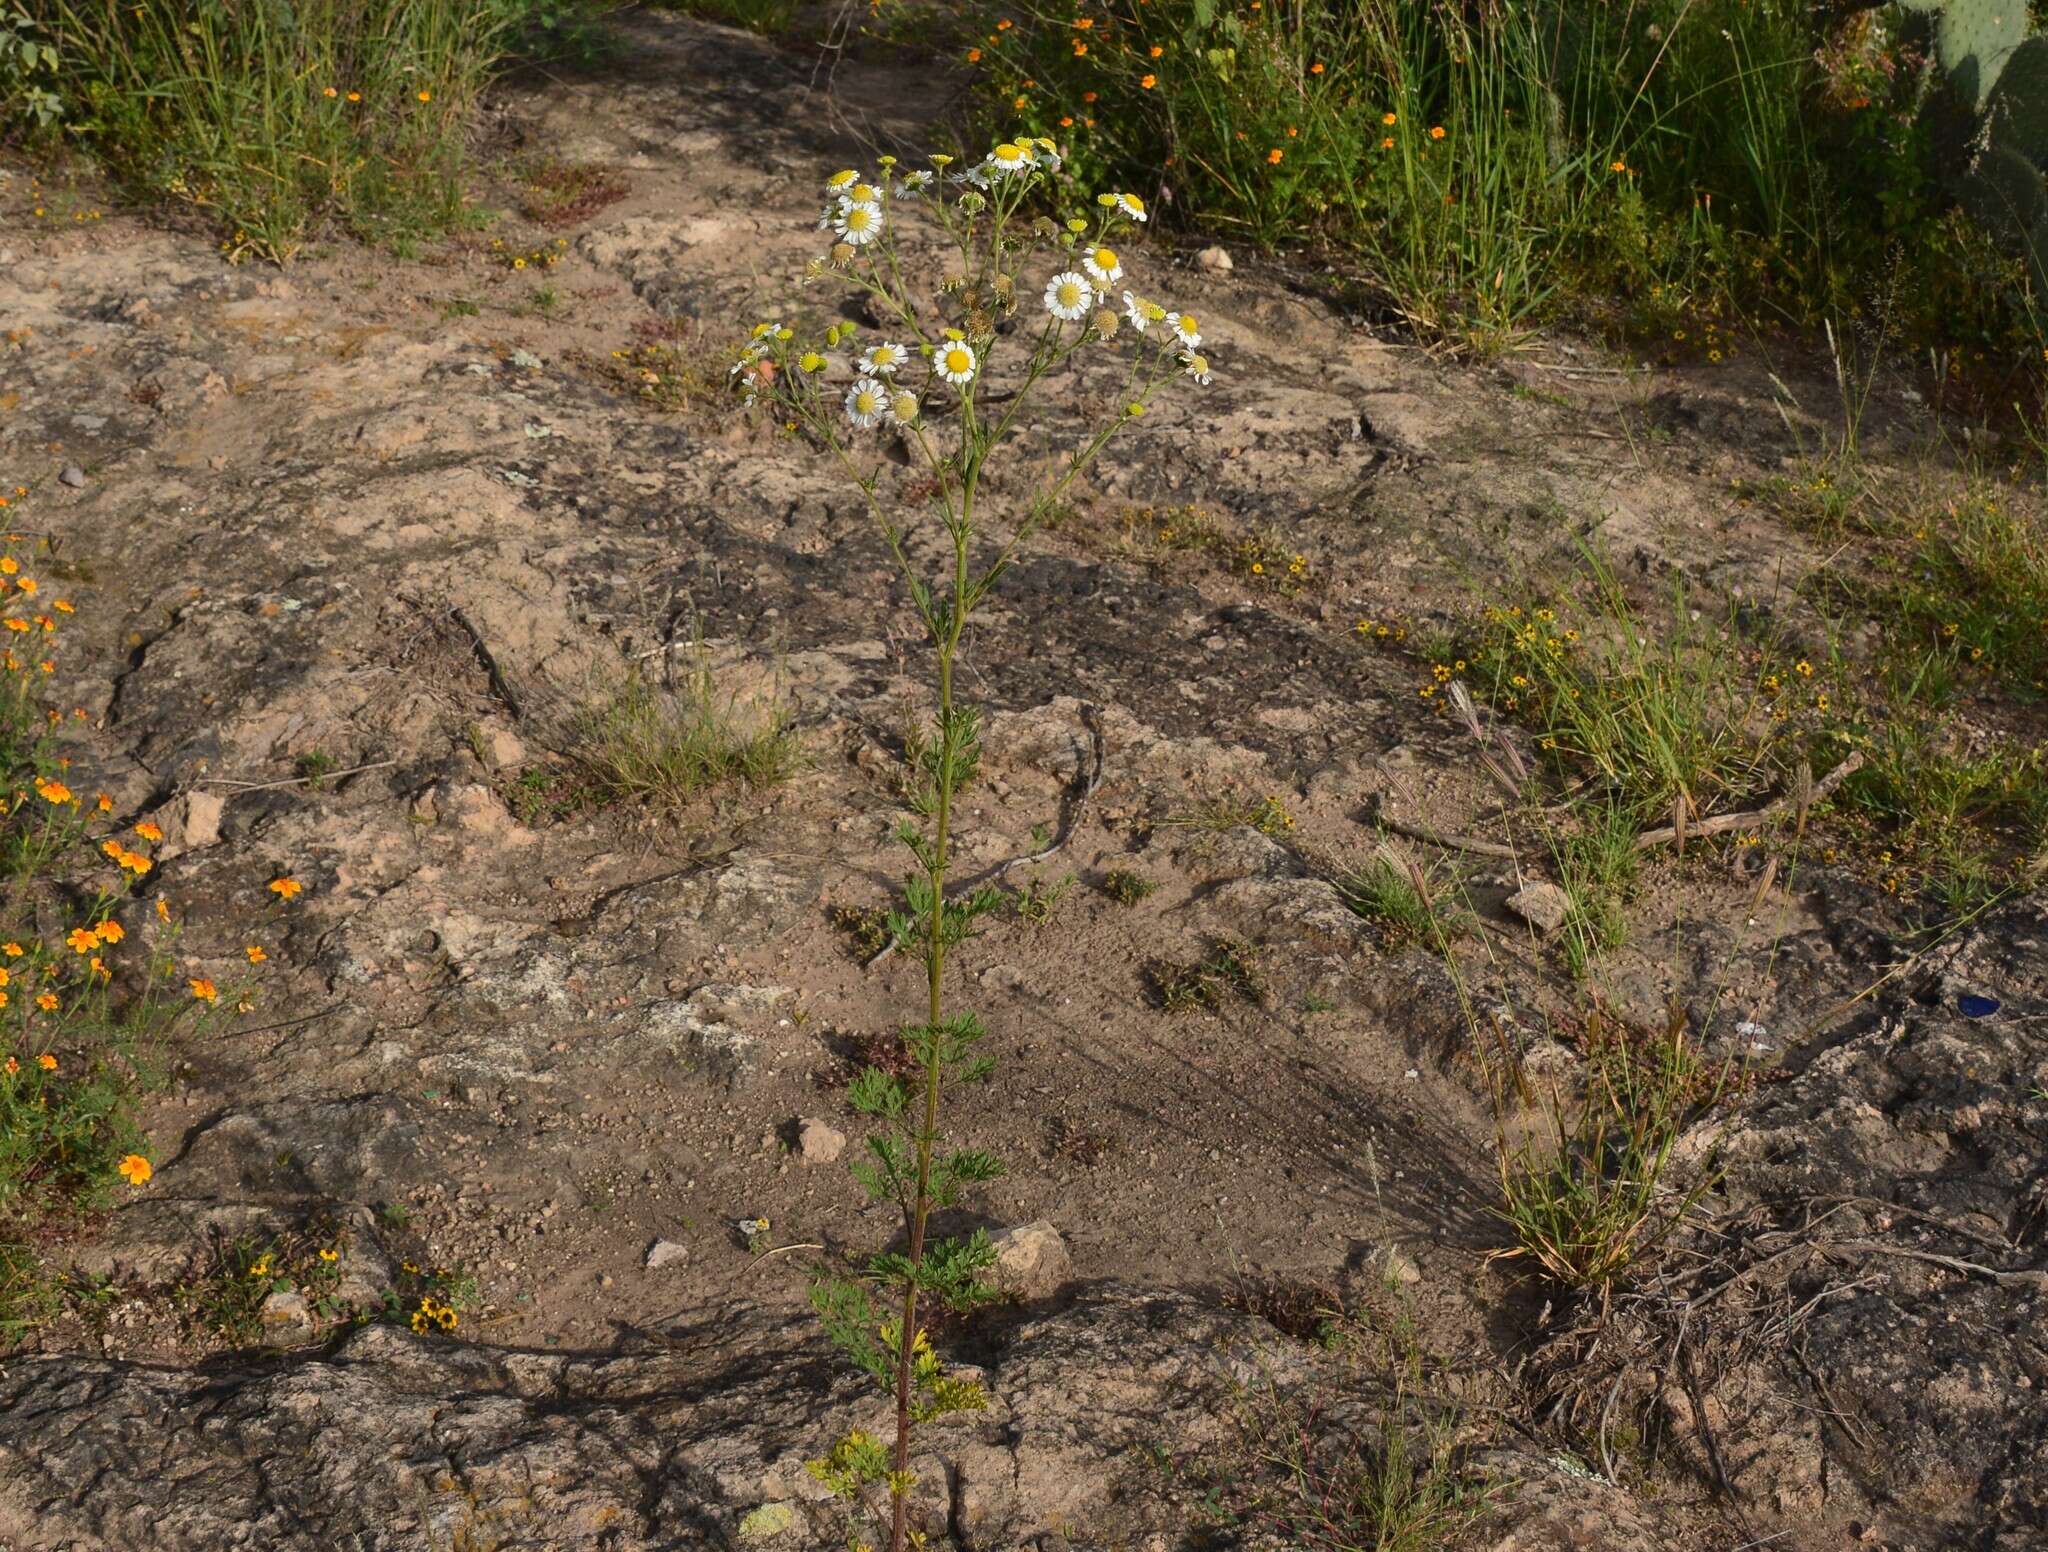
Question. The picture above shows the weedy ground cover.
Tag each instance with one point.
(1491, 167)
(273, 117)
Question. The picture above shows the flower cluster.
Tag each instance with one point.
(546, 256)
(75, 1023)
(433, 1314)
(869, 386)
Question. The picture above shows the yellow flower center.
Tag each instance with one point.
(1187, 323)
(1070, 295)
(1105, 258)
(958, 360)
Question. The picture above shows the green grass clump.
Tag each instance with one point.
(1229, 970)
(1974, 589)
(1585, 1198)
(1127, 888)
(1961, 816)
(645, 744)
(276, 117)
(1681, 713)
(1597, 861)
(1399, 899)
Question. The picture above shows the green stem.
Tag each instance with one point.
(935, 961)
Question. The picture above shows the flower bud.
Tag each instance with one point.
(842, 253)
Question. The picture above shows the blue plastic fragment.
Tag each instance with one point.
(1971, 1006)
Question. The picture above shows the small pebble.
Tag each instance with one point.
(73, 476)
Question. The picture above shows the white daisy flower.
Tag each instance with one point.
(903, 406)
(867, 403)
(1196, 365)
(1131, 206)
(859, 224)
(1102, 267)
(1183, 326)
(955, 362)
(1007, 158)
(1048, 154)
(880, 360)
(839, 182)
(977, 175)
(914, 182)
(1069, 296)
(1143, 314)
(860, 194)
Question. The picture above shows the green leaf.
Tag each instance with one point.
(878, 1093)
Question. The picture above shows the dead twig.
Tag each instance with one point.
(781, 1250)
(292, 781)
(1606, 1414)
(2038, 1281)
(1720, 824)
(500, 685)
(1856, 1433)
(1429, 837)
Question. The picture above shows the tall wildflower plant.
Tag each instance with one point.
(1023, 287)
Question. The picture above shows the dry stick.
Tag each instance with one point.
(1091, 718)
(1833, 1408)
(1699, 1412)
(2038, 1281)
(292, 781)
(1606, 1412)
(500, 685)
(1722, 823)
(1429, 837)
(780, 1250)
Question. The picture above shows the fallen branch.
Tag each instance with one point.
(1720, 824)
